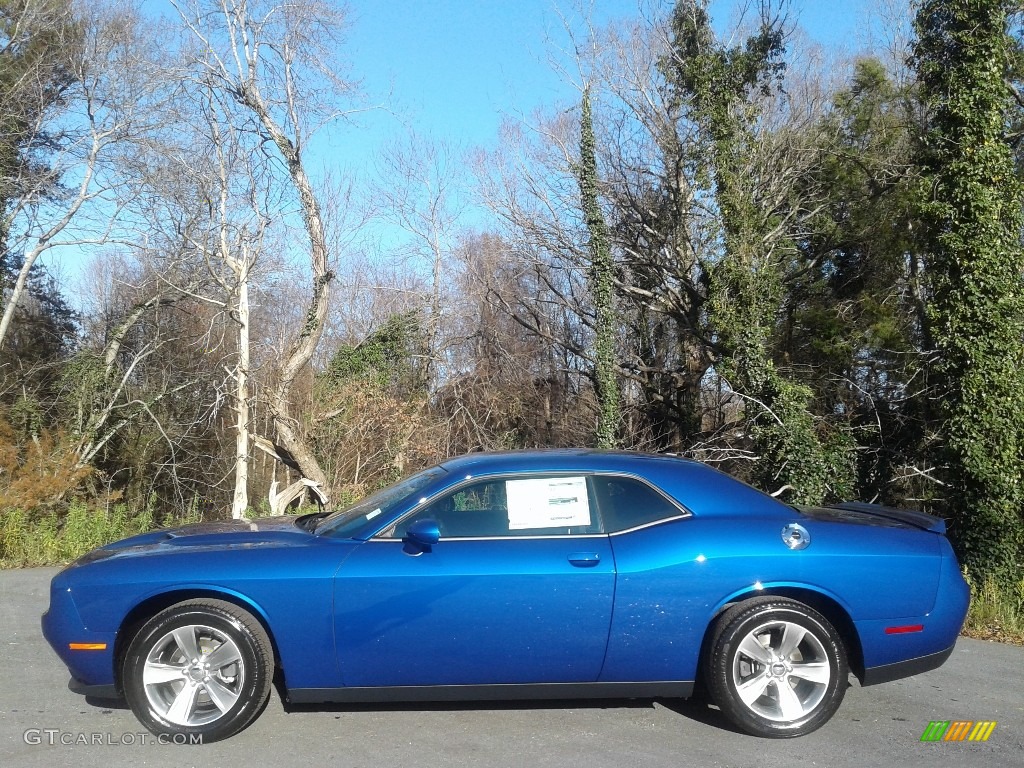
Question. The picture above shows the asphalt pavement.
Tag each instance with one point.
(42, 723)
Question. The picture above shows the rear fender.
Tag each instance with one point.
(823, 601)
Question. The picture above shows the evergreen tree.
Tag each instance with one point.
(853, 321)
(46, 325)
(37, 43)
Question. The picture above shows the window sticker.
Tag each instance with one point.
(554, 502)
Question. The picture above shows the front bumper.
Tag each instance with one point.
(106, 692)
(62, 625)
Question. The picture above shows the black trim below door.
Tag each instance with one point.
(415, 693)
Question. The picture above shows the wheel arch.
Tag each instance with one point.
(825, 604)
(152, 605)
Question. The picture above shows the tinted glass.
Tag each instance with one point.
(519, 506)
(349, 521)
(626, 503)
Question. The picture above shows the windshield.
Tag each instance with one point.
(345, 522)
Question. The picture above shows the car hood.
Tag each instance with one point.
(268, 531)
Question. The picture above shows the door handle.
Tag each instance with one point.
(584, 559)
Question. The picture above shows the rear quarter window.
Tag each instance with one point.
(626, 502)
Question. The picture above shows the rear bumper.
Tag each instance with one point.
(889, 655)
(899, 669)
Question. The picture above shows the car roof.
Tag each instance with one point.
(696, 486)
(570, 459)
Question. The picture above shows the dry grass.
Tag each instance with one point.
(997, 612)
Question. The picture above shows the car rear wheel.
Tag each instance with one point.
(776, 667)
(200, 670)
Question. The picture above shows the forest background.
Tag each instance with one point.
(801, 267)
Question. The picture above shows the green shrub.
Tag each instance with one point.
(997, 611)
(54, 537)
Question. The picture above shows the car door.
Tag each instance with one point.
(518, 589)
(661, 588)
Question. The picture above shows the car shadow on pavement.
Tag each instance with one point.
(701, 710)
(101, 703)
(696, 709)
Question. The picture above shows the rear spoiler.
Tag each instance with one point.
(909, 516)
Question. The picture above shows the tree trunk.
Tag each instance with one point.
(601, 282)
(240, 500)
(285, 424)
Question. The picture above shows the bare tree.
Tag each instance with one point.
(278, 63)
(216, 192)
(665, 226)
(507, 386)
(417, 189)
(106, 105)
(141, 395)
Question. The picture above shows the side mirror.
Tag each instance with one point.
(421, 536)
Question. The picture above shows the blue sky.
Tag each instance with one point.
(454, 67)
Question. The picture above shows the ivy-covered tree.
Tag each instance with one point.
(370, 418)
(721, 86)
(392, 357)
(601, 279)
(970, 204)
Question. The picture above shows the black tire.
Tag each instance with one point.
(214, 694)
(776, 668)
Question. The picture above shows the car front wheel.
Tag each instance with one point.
(200, 670)
(776, 667)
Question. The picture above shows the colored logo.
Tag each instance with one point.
(958, 730)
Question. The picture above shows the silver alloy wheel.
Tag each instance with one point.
(781, 671)
(193, 675)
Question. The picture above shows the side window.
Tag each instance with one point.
(626, 503)
(519, 506)
(480, 509)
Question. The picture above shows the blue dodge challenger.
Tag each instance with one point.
(541, 574)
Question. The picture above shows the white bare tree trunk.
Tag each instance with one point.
(240, 500)
(264, 56)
